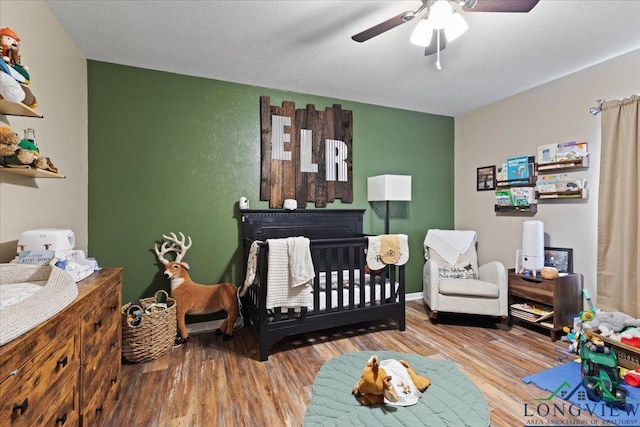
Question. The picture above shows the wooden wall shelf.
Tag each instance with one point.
(582, 162)
(579, 194)
(17, 109)
(532, 208)
(31, 172)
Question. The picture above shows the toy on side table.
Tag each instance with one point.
(389, 381)
(600, 374)
(194, 298)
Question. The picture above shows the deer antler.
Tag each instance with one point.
(172, 245)
(178, 243)
(161, 251)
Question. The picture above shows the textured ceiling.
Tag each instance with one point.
(306, 46)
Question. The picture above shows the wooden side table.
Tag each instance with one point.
(531, 299)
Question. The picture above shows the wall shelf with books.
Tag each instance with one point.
(530, 209)
(580, 163)
(552, 158)
(582, 193)
(515, 182)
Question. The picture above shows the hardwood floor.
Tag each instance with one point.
(210, 382)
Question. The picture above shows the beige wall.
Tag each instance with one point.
(552, 113)
(59, 82)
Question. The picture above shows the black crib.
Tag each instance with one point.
(338, 251)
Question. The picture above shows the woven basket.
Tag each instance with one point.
(153, 336)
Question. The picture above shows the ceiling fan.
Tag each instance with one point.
(441, 18)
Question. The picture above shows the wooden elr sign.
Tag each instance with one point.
(306, 154)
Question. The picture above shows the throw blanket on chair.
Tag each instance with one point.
(387, 249)
(449, 244)
(279, 291)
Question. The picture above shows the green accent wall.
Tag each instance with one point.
(171, 153)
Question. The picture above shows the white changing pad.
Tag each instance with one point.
(33, 306)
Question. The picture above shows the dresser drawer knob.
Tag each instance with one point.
(97, 325)
(61, 420)
(114, 380)
(62, 362)
(21, 408)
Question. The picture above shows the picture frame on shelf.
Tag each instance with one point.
(560, 258)
(486, 178)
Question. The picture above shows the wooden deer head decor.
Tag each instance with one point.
(194, 298)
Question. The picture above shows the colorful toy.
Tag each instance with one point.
(389, 381)
(588, 315)
(600, 374)
(633, 377)
(609, 322)
(11, 65)
(573, 337)
(194, 298)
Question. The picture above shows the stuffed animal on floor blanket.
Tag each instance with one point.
(194, 298)
(389, 381)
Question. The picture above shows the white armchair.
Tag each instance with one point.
(452, 281)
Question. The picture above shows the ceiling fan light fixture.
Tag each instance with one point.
(456, 27)
(440, 13)
(422, 34)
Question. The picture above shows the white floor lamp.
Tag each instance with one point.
(388, 188)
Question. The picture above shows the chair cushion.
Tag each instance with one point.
(469, 257)
(468, 287)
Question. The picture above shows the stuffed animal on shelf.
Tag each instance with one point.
(389, 381)
(11, 150)
(194, 298)
(11, 65)
(21, 152)
(609, 322)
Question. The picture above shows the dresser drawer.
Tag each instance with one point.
(96, 366)
(27, 394)
(99, 320)
(99, 399)
(534, 289)
(66, 408)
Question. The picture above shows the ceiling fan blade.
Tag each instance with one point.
(384, 26)
(433, 46)
(522, 6)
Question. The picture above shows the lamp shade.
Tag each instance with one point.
(422, 34)
(456, 27)
(389, 188)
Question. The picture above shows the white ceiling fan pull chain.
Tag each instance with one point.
(438, 66)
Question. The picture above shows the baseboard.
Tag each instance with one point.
(199, 327)
(413, 296)
(212, 325)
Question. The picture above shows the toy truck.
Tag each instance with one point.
(600, 374)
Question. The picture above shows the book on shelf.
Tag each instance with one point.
(566, 154)
(531, 313)
(518, 169)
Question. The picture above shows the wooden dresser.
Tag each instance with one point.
(66, 371)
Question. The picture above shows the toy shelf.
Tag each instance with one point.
(17, 109)
(31, 172)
